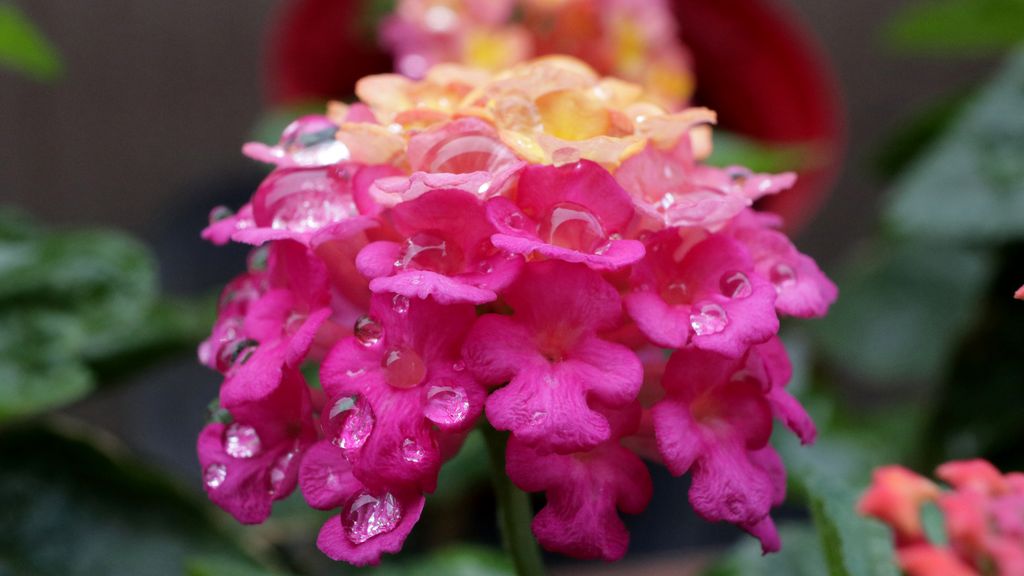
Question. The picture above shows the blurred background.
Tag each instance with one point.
(143, 131)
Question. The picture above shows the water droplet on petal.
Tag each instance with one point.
(216, 414)
(783, 276)
(220, 213)
(710, 319)
(258, 258)
(400, 304)
(459, 366)
(538, 417)
(348, 422)
(675, 292)
(215, 474)
(280, 470)
(603, 249)
(434, 251)
(735, 284)
(446, 405)
(515, 221)
(367, 515)
(368, 331)
(403, 367)
(412, 451)
(572, 226)
(237, 353)
(484, 267)
(242, 441)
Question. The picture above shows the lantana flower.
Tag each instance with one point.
(521, 247)
(982, 515)
(636, 41)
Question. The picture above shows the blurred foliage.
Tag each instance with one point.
(800, 556)
(978, 409)
(464, 473)
(913, 139)
(958, 26)
(24, 49)
(69, 508)
(733, 149)
(80, 308)
(902, 310)
(970, 187)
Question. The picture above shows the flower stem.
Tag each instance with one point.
(514, 510)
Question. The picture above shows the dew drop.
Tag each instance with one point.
(368, 331)
(735, 284)
(484, 267)
(215, 474)
(349, 422)
(280, 470)
(258, 258)
(216, 414)
(573, 227)
(412, 451)
(403, 367)
(400, 304)
(783, 276)
(515, 221)
(446, 405)
(242, 441)
(675, 292)
(368, 515)
(711, 319)
(538, 417)
(237, 353)
(432, 250)
(459, 366)
(220, 213)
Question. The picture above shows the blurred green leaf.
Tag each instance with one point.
(902, 309)
(800, 556)
(913, 139)
(468, 470)
(224, 566)
(69, 509)
(454, 561)
(977, 410)
(79, 308)
(830, 475)
(958, 26)
(24, 48)
(732, 149)
(970, 186)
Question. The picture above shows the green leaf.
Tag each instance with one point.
(800, 556)
(851, 544)
(224, 566)
(911, 140)
(958, 26)
(902, 309)
(732, 149)
(25, 49)
(70, 509)
(970, 186)
(79, 308)
(465, 472)
(454, 561)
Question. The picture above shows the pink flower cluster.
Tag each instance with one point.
(983, 513)
(600, 294)
(635, 41)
